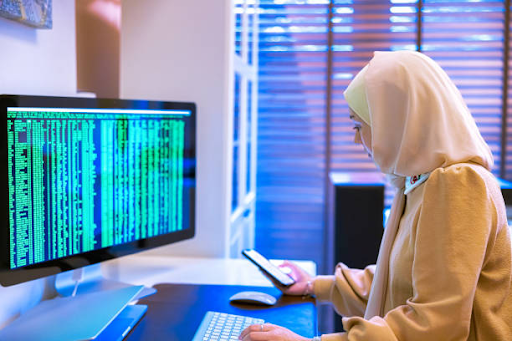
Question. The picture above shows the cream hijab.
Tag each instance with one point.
(419, 122)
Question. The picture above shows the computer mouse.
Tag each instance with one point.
(253, 297)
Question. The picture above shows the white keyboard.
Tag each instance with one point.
(223, 327)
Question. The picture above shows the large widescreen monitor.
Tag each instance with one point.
(86, 180)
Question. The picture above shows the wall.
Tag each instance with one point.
(38, 62)
(98, 24)
(181, 51)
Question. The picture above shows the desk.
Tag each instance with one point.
(150, 269)
(176, 310)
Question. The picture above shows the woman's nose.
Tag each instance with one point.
(357, 138)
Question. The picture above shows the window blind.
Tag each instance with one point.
(508, 105)
(466, 39)
(291, 128)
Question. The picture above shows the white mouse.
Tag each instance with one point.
(253, 297)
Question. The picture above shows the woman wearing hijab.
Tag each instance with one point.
(444, 270)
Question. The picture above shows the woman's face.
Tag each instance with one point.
(363, 132)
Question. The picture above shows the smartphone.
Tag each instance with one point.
(269, 268)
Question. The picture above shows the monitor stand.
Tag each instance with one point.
(81, 317)
(95, 309)
(90, 279)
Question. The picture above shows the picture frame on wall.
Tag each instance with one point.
(35, 13)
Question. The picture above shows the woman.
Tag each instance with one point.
(444, 265)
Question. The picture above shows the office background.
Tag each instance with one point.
(303, 55)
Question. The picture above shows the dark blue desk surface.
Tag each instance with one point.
(176, 310)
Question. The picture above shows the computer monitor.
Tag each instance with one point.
(86, 180)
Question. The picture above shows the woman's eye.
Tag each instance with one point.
(356, 128)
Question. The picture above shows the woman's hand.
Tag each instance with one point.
(300, 276)
(269, 332)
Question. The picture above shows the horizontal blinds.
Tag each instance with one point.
(466, 39)
(508, 159)
(508, 164)
(291, 128)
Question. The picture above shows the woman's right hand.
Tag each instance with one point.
(300, 276)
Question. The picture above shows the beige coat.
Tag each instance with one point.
(450, 270)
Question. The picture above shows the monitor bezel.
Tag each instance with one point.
(10, 276)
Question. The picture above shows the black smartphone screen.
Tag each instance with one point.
(269, 268)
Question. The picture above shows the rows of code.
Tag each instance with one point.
(78, 184)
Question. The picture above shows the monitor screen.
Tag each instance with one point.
(86, 180)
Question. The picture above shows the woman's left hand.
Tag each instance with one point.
(269, 332)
